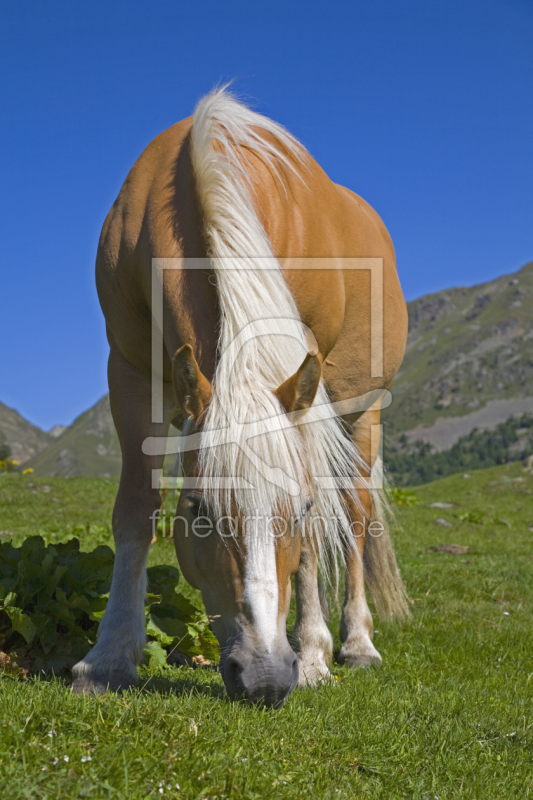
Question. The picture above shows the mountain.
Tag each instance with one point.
(469, 362)
(24, 439)
(87, 447)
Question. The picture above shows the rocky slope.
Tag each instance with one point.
(469, 361)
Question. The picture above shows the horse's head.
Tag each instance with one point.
(240, 546)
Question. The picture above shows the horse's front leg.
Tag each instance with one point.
(311, 636)
(112, 662)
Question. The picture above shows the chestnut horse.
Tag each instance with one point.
(267, 338)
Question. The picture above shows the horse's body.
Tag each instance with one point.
(167, 208)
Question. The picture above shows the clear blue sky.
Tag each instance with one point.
(423, 108)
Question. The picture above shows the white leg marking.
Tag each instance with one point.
(121, 634)
(311, 635)
(356, 627)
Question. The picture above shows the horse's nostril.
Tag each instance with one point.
(234, 670)
(295, 670)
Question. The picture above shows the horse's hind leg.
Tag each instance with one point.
(356, 628)
(121, 635)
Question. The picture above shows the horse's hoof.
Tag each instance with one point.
(363, 661)
(98, 684)
(313, 675)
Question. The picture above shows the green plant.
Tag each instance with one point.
(6, 462)
(402, 497)
(472, 517)
(53, 596)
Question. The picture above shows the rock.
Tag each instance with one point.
(443, 522)
(440, 505)
(57, 430)
(454, 549)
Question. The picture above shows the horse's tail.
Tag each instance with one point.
(382, 574)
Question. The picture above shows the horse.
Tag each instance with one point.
(265, 339)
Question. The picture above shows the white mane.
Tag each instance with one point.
(258, 309)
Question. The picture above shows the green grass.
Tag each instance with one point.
(54, 506)
(449, 714)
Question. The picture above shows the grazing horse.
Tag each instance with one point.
(267, 337)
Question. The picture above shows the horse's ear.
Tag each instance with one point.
(298, 391)
(192, 389)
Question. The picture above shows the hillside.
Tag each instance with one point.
(24, 439)
(469, 361)
(87, 447)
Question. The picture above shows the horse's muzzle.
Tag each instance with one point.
(266, 679)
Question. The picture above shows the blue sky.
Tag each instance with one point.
(423, 108)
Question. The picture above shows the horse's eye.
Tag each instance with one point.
(195, 503)
(308, 505)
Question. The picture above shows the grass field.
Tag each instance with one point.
(448, 715)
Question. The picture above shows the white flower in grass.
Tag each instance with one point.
(51, 733)
(55, 761)
(86, 758)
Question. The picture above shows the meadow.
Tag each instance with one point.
(448, 715)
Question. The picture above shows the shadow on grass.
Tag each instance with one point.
(186, 682)
(190, 682)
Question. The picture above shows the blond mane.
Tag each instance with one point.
(262, 340)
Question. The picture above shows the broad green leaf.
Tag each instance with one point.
(21, 623)
(10, 599)
(155, 655)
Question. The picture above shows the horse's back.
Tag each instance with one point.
(305, 215)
